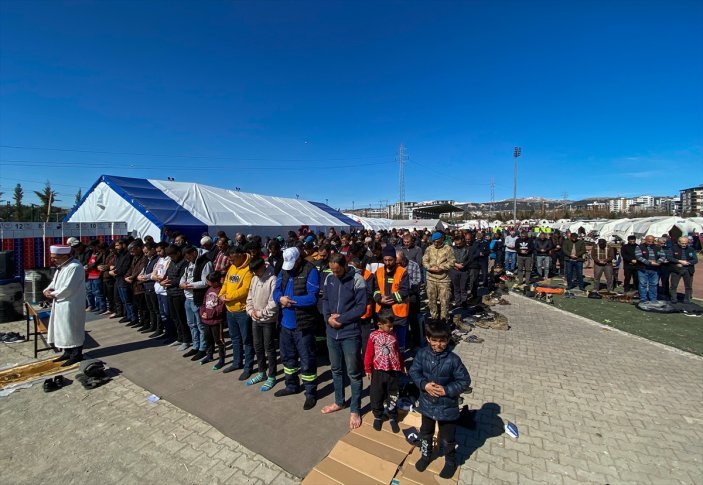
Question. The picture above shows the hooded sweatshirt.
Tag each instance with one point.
(260, 297)
(346, 297)
(236, 286)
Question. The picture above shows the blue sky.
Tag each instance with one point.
(314, 98)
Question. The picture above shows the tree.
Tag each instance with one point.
(47, 198)
(79, 196)
(18, 196)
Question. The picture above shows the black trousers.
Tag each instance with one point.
(264, 335)
(472, 284)
(664, 272)
(109, 291)
(483, 261)
(213, 338)
(177, 312)
(684, 274)
(152, 306)
(460, 285)
(141, 314)
(631, 279)
(366, 327)
(447, 435)
(384, 388)
(416, 333)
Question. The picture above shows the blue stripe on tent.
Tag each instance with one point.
(337, 215)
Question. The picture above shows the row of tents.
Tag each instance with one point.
(639, 227)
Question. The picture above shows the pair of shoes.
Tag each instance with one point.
(90, 309)
(270, 382)
(190, 353)
(72, 360)
(309, 403)
(11, 338)
(123, 320)
(259, 377)
(245, 375)
(232, 368)
(63, 357)
(156, 334)
(175, 343)
(198, 355)
(377, 424)
(473, 339)
(106, 312)
(51, 385)
(133, 324)
(206, 360)
(286, 392)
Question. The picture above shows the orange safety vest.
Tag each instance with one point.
(401, 309)
(367, 314)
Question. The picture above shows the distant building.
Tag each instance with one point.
(394, 210)
(692, 201)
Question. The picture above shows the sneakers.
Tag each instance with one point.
(183, 347)
(190, 353)
(309, 403)
(270, 382)
(219, 364)
(286, 392)
(198, 355)
(258, 377)
(11, 338)
(175, 343)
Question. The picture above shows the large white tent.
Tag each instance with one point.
(371, 223)
(673, 226)
(419, 224)
(148, 206)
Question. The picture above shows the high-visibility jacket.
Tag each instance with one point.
(401, 307)
(369, 309)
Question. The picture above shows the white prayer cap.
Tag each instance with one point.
(73, 241)
(60, 249)
(205, 240)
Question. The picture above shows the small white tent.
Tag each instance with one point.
(148, 206)
(371, 223)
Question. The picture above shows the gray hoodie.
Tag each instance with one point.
(260, 297)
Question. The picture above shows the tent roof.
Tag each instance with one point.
(418, 224)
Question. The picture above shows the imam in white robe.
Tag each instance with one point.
(67, 321)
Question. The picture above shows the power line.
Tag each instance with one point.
(199, 157)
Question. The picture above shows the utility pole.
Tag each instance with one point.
(517, 151)
(401, 179)
(493, 193)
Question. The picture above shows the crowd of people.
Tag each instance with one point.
(359, 297)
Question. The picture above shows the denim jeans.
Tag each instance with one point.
(346, 353)
(168, 326)
(126, 298)
(574, 274)
(197, 329)
(96, 299)
(510, 260)
(239, 325)
(648, 279)
(543, 263)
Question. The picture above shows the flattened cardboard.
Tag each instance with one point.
(431, 474)
(393, 440)
(375, 448)
(413, 418)
(343, 474)
(372, 466)
(317, 478)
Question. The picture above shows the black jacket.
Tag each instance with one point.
(524, 247)
(446, 369)
(627, 252)
(123, 261)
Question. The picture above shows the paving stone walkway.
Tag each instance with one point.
(593, 405)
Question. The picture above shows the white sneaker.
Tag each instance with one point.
(175, 344)
(183, 347)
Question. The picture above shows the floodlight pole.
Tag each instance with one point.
(516, 153)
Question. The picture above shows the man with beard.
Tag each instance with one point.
(630, 264)
(391, 291)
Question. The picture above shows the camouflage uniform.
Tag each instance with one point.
(439, 284)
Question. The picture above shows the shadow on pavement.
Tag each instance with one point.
(476, 427)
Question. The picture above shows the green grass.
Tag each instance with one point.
(674, 329)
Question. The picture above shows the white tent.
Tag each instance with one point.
(609, 229)
(148, 206)
(673, 226)
(371, 223)
(419, 224)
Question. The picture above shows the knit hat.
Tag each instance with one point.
(437, 235)
(388, 250)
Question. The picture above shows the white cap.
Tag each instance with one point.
(290, 256)
(73, 242)
(205, 240)
(60, 249)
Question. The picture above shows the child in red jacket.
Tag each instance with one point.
(212, 314)
(383, 363)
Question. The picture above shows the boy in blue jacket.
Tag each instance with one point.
(442, 377)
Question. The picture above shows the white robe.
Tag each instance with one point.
(67, 321)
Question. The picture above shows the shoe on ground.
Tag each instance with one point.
(245, 375)
(72, 360)
(309, 403)
(394, 425)
(232, 368)
(422, 464)
(190, 353)
(198, 355)
(63, 357)
(377, 424)
(268, 384)
(448, 470)
(207, 359)
(183, 347)
(123, 320)
(219, 364)
(286, 392)
(50, 386)
(258, 377)
(175, 343)
(156, 334)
